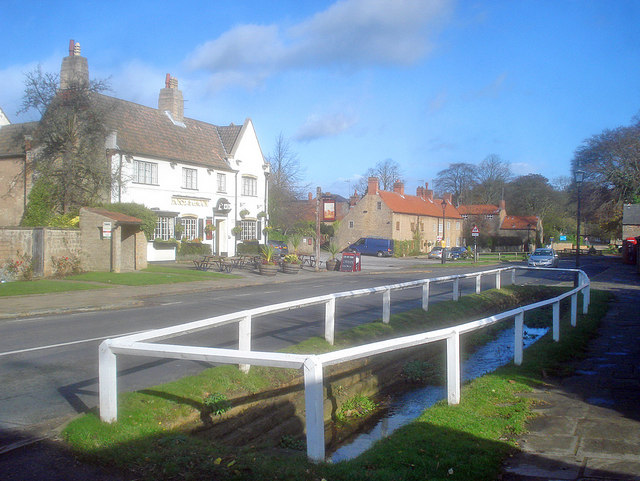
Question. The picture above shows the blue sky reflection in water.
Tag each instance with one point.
(411, 404)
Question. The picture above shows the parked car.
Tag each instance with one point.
(435, 253)
(280, 247)
(459, 252)
(544, 257)
(372, 246)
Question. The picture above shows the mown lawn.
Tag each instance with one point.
(463, 442)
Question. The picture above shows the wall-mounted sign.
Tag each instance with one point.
(328, 210)
(191, 201)
(106, 230)
(223, 206)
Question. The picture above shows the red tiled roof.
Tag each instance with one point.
(478, 209)
(150, 132)
(411, 204)
(116, 216)
(517, 222)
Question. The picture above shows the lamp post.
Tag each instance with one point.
(444, 206)
(578, 177)
(529, 238)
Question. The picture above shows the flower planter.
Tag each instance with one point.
(268, 269)
(331, 264)
(289, 268)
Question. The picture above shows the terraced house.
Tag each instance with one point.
(204, 181)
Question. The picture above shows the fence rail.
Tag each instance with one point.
(313, 365)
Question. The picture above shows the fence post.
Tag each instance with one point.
(314, 407)
(513, 276)
(244, 339)
(585, 294)
(519, 332)
(478, 283)
(498, 285)
(425, 296)
(556, 321)
(330, 320)
(386, 306)
(453, 368)
(108, 383)
(456, 288)
(574, 309)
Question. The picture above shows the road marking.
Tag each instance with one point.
(70, 343)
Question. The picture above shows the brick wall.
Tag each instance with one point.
(370, 217)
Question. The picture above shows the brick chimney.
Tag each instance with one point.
(428, 194)
(502, 205)
(74, 72)
(372, 188)
(310, 196)
(420, 192)
(170, 99)
(398, 187)
(448, 197)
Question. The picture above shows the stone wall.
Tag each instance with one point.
(370, 217)
(41, 244)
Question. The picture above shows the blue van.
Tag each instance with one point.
(372, 246)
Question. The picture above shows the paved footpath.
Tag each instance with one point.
(588, 427)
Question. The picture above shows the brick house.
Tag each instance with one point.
(630, 221)
(396, 215)
(190, 172)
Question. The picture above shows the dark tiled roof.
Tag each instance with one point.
(116, 216)
(12, 138)
(150, 132)
(478, 209)
(411, 204)
(519, 222)
(229, 135)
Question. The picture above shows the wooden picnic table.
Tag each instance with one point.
(308, 259)
(220, 263)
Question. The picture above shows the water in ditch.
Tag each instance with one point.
(408, 406)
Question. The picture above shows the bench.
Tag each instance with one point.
(213, 262)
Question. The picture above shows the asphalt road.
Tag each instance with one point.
(49, 365)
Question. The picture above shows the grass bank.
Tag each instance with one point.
(152, 275)
(461, 442)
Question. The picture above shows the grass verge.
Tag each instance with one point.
(152, 275)
(43, 286)
(461, 442)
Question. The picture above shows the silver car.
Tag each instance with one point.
(544, 257)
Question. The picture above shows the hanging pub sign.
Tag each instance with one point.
(328, 210)
(223, 206)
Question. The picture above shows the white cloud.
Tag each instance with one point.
(329, 125)
(491, 90)
(438, 102)
(522, 168)
(349, 34)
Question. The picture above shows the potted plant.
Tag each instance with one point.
(291, 264)
(244, 213)
(268, 266)
(332, 262)
(237, 230)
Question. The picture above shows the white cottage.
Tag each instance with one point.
(211, 180)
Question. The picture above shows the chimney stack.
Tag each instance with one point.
(502, 205)
(420, 192)
(398, 187)
(170, 99)
(372, 186)
(448, 197)
(428, 194)
(74, 72)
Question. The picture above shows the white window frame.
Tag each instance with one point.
(189, 178)
(249, 230)
(145, 172)
(190, 225)
(164, 228)
(249, 186)
(221, 183)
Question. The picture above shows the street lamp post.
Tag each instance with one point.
(444, 206)
(578, 177)
(529, 238)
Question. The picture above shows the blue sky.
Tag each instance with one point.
(353, 82)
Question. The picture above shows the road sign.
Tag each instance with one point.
(475, 232)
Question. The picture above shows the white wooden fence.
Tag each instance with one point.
(145, 344)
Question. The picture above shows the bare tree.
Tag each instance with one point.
(458, 180)
(70, 139)
(492, 175)
(387, 171)
(285, 185)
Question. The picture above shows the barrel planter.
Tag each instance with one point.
(268, 269)
(289, 268)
